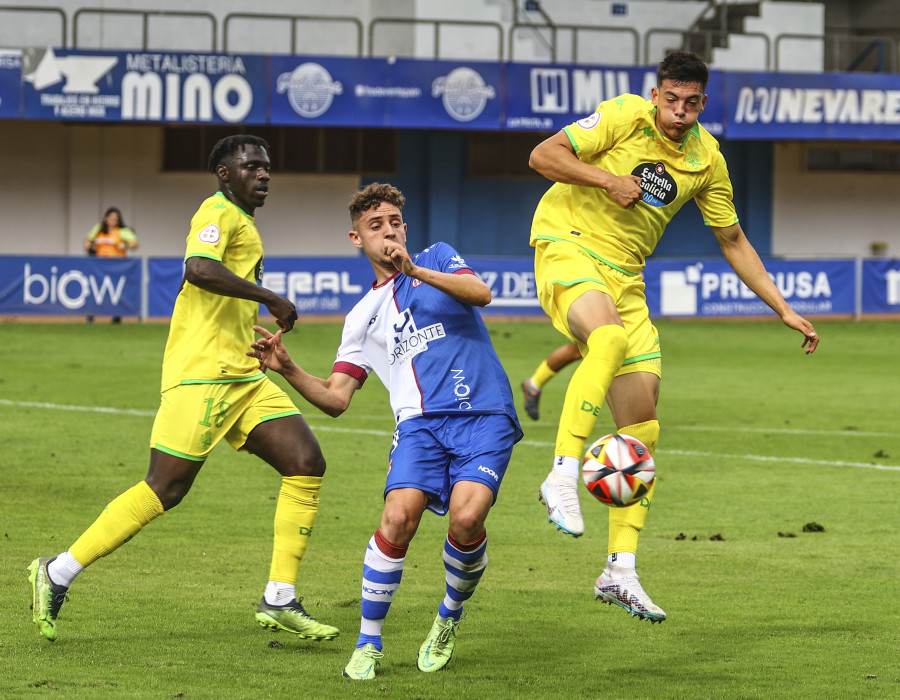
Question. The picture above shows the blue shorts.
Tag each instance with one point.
(432, 454)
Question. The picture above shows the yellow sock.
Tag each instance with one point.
(587, 389)
(625, 524)
(295, 514)
(542, 375)
(122, 519)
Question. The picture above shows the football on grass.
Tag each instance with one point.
(618, 470)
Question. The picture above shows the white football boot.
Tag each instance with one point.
(620, 586)
(560, 494)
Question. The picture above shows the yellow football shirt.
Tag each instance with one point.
(210, 333)
(621, 137)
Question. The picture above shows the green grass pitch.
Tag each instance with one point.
(758, 440)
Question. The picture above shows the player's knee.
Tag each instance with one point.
(399, 525)
(312, 463)
(610, 340)
(308, 461)
(170, 494)
(467, 525)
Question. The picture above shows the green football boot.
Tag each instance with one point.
(294, 619)
(46, 597)
(437, 648)
(361, 666)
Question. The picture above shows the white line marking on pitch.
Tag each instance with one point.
(534, 443)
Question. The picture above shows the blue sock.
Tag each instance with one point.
(464, 569)
(374, 639)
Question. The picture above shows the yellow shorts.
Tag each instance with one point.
(563, 271)
(193, 418)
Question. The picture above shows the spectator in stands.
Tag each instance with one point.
(111, 238)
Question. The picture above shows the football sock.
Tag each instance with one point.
(63, 569)
(280, 593)
(569, 466)
(295, 515)
(382, 571)
(464, 563)
(587, 389)
(624, 559)
(542, 375)
(625, 524)
(122, 519)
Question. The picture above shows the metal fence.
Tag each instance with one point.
(153, 30)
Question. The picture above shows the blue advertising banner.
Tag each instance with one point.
(880, 286)
(60, 285)
(808, 106)
(330, 286)
(175, 87)
(163, 284)
(511, 281)
(712, 288)
(377, 92)
(124, 86)
(10, 84)
(548, 97)
(334, 285)
(319, 285)
(332, 91)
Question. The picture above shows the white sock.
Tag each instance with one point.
(567, 466)
(64, 569)
(279, 593)
(624, 560)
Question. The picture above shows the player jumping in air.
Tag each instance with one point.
(621, 174)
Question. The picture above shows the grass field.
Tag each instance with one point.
(758, 440)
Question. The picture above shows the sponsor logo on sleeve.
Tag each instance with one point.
(589, 122)
(210, 234)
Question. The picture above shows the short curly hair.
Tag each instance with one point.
(371, 196)
(231, 145)
(683, 67)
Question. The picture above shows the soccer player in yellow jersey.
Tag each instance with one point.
(621, 174)
(212, 391)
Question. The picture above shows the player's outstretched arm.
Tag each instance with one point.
(744, 260)
(331, 396)
(214, 277)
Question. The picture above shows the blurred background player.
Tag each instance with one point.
(563, 356)
(418, 330)
(621, 174)
(212, 391)
(111, 238)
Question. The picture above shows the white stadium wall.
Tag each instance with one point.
(831, 213)
(62, 176)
